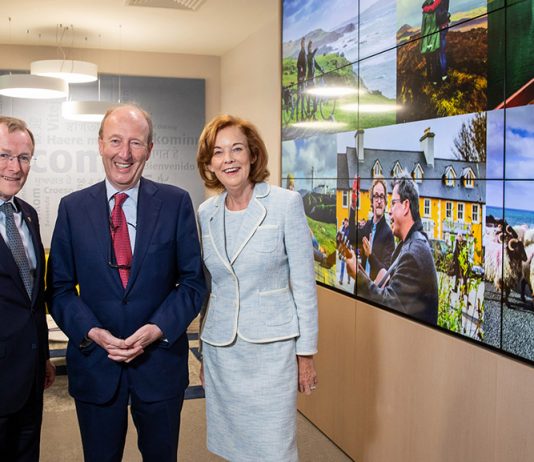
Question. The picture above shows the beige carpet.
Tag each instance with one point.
(60, 440)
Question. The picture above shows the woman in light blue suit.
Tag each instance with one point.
(259, 332)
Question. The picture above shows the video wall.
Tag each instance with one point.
(441, 91)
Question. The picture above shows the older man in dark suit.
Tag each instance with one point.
(25, 370)
(131, 246)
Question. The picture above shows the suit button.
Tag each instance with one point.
(34, 346)
(125, 302)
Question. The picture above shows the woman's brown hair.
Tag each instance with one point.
(206, 145)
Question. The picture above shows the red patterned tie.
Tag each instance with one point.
(121, 238)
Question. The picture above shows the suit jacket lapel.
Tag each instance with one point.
(9, 263)
(148, 210)
(216, 227)
(36, 241)
(97, 209)
(254, 216)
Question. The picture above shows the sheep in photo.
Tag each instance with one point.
(505, 253)
(527, 277)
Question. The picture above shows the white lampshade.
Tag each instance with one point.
(32, 86)
(66, 69)
(85, 111)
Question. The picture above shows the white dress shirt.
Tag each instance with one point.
(23, 231)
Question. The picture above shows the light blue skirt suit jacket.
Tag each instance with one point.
(263, 297)
(266, 291)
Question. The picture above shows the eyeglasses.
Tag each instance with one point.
(118, 143)
(112, 262)
(396, 201)
(22, 159)
(379, 197)
(111, 259)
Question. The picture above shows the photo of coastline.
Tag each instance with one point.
(509, 231)
(509, 271)
(323, 49)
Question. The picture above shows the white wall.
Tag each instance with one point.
(250, 87)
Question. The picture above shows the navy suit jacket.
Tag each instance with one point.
(23, 329)
(166, 287)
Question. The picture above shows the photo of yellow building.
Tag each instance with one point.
(452, 192)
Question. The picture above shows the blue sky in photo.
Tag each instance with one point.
(406, 136)
(519, 194)
(495, 144)
(519, 148)
(304, 16)
(519, 152)
(301, 155)
(519, 144)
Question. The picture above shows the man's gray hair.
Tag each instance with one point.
(407, 189)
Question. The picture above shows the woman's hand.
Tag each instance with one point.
(307, 374)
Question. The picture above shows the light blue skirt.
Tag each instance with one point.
(251, 399)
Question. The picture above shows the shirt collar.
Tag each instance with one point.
(12, 202)
(133, 192)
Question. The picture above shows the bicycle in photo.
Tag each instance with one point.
(322, 104)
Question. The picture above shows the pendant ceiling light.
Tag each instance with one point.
(85, 111)
(67, 69)
(32, 86)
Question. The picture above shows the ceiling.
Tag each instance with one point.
(214, 28)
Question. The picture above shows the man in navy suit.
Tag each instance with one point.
(25, 369)
(138, 292)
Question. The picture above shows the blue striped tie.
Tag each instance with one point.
(14, 242)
